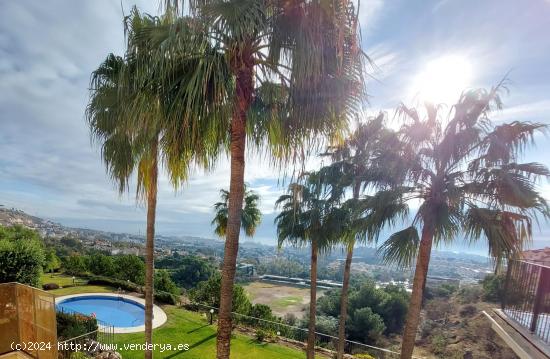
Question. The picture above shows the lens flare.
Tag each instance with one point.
(442, 80)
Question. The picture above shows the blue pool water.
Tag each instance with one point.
(114, 310)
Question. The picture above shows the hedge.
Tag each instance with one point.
(117, 283)
(73, 325)
(166, 298)
(160, 296)
(50, 286)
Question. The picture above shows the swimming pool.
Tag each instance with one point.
(124, 312)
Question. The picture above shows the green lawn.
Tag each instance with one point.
(184, 327)
(60, 279)
(82, 289)
(287, 301)
(65, 280)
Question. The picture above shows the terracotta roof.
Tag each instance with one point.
(537, 255)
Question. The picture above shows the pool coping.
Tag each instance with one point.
(159, 316)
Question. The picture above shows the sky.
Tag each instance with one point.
(48, 49)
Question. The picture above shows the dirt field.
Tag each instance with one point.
(282, 299)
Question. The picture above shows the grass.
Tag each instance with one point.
(184, 327)
(287, 301)
(60, 279)
(82, 289)
(63, 280)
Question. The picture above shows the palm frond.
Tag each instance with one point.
(401, 248)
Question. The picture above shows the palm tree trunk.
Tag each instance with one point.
(345, 289)
(244, 87)
(149, 249)
(344, 305)
(312, 302)
(415, 305)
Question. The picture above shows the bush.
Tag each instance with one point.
(75, 264)
(163, 282)
(427, 328)
(439, 344)
(21, 255)
(470, 294)
(439, 310)
(117, 283)
(74, 325)
(130, 267)
(363, 356)
(468, 311)
(265, 335)
(493, 287)
(166, 298)
(290, 319)
(50, 286)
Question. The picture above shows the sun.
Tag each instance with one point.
(442, 80)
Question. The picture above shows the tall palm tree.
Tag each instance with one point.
(250, 218)
(465, 173)
(127, 117)
(360, 162)
(125, 152)
(307, 218)
(318, 70)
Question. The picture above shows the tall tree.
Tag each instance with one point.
(465, 173)
(250, 218)
(306, 218)
(317, 68)
(360, 162)
(127, 116)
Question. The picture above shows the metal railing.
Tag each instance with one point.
(95, 339)
(526, 297)
(296, 335)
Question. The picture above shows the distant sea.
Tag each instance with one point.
(200, 226)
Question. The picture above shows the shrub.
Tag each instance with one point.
(263, 335)
(50, 286)
(21, 255)
(493, 287)
(439, 309)
(164, 283)
(363, 356)
(130, 267)
(439, 344)
(73, 325)
(75, 264)
(117, 283)
(427, 328)
(290, 319)
(468, 311)
(470, 294)
(166, 298)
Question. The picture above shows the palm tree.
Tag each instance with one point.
(308, 218)
(361, 161)
(464, 172)
(250, 218)
(318, 68)
(125, 153)
(127, 117)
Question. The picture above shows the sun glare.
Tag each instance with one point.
(442, 80)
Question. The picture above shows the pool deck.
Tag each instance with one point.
(159, 317)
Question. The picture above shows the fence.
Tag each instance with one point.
(27, 315)
(295, 335)
(526, 297)
(96, 337)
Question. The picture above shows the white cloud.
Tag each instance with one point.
(537, 111)
(369, 14)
